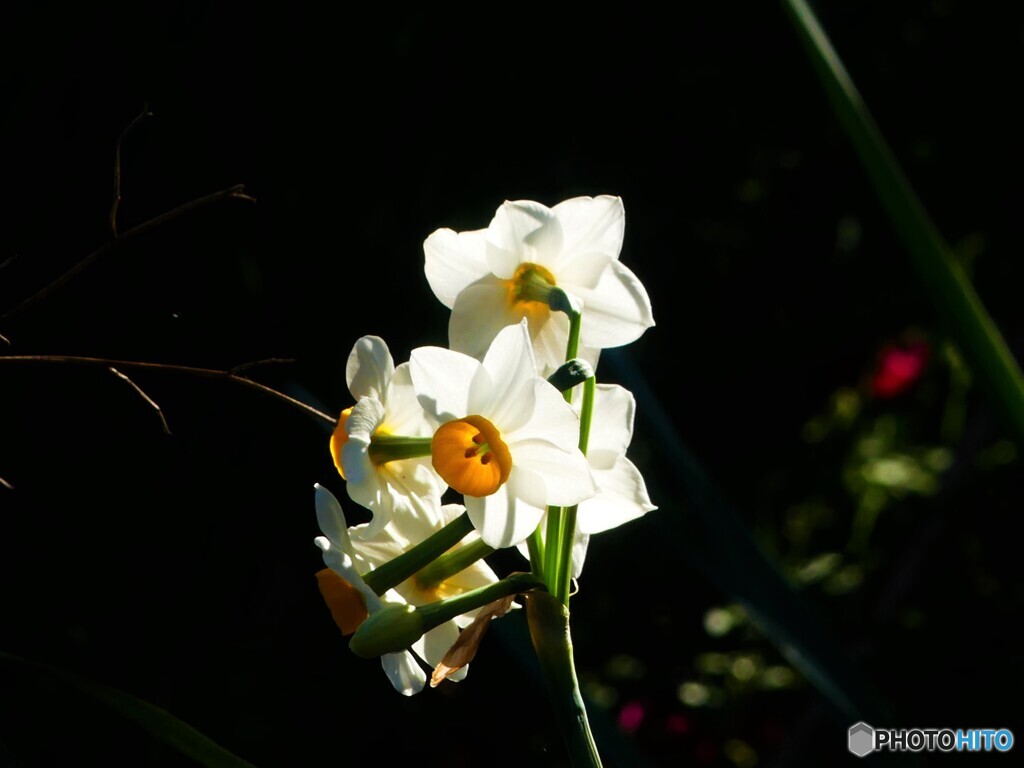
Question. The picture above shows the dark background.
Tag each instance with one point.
(180, 568)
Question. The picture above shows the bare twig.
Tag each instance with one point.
(236, 192)
(144, 396)
(208, 373)
(259, 363)
(8, 261)
(117, 165)
(5, 340)
(6, 485)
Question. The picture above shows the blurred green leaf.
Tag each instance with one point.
(158, 722)
(714, 540)
(936, 264)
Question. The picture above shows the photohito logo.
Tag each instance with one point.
(862, 739)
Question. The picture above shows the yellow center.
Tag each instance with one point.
(470, 456)
(339, 438)
(345, 602)
(528, 282)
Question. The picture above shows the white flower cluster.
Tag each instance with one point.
(482, 419)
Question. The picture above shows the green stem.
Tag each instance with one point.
(435, 614)
(453, 562)
(563, 578)
(587, 413)
(536, 546)
(394, 572)
(552, 546)
(385, 448)
(573, 346)
(549, 630)
(395, 627)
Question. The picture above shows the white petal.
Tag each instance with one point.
(478, 315)
(433, 646)
(342, 564)
(500, 519)
(616, 311)
(337, 559)
(454, 261)
(451, 511)
(369, 368)
(509, 361)
(550, 339)
(364, 484)
(592, 229)
(366, 416)
(415, 490)
(479, 574)
(331, 518)
(611, 428)
(522, 231)
(544, 474)
(441, 379)
(552, 419)
(506, 395)
(403, 414)
(404, 672)
(579, 553)
(621, 497)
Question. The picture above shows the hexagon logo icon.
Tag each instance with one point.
(861, 739)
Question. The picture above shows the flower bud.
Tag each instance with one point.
(389, 630)
(571, 373)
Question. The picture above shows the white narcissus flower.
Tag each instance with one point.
(484, 277)
(350, 552)
(385, 405)
(508, 441)
(621, 492)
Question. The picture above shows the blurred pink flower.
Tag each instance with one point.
(631, 716)
(899, 367)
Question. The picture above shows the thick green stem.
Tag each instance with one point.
(573, 346)
(394, 572)
(552, 546)
(587, 413)
(451, 563)
(385, 448)
(549, 630)
(396, 627)
(437, 613)
(562, 581)
(536, 546)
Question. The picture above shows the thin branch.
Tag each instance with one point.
(5, 340)
(144, 396)
(8, 261)
(208, 373)
(259, 363)
(236, 192)
(6, 485)
(117, 165)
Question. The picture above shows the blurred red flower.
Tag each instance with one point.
(898, 368)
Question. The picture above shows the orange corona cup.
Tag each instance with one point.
(338, 440)
(470, 456)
